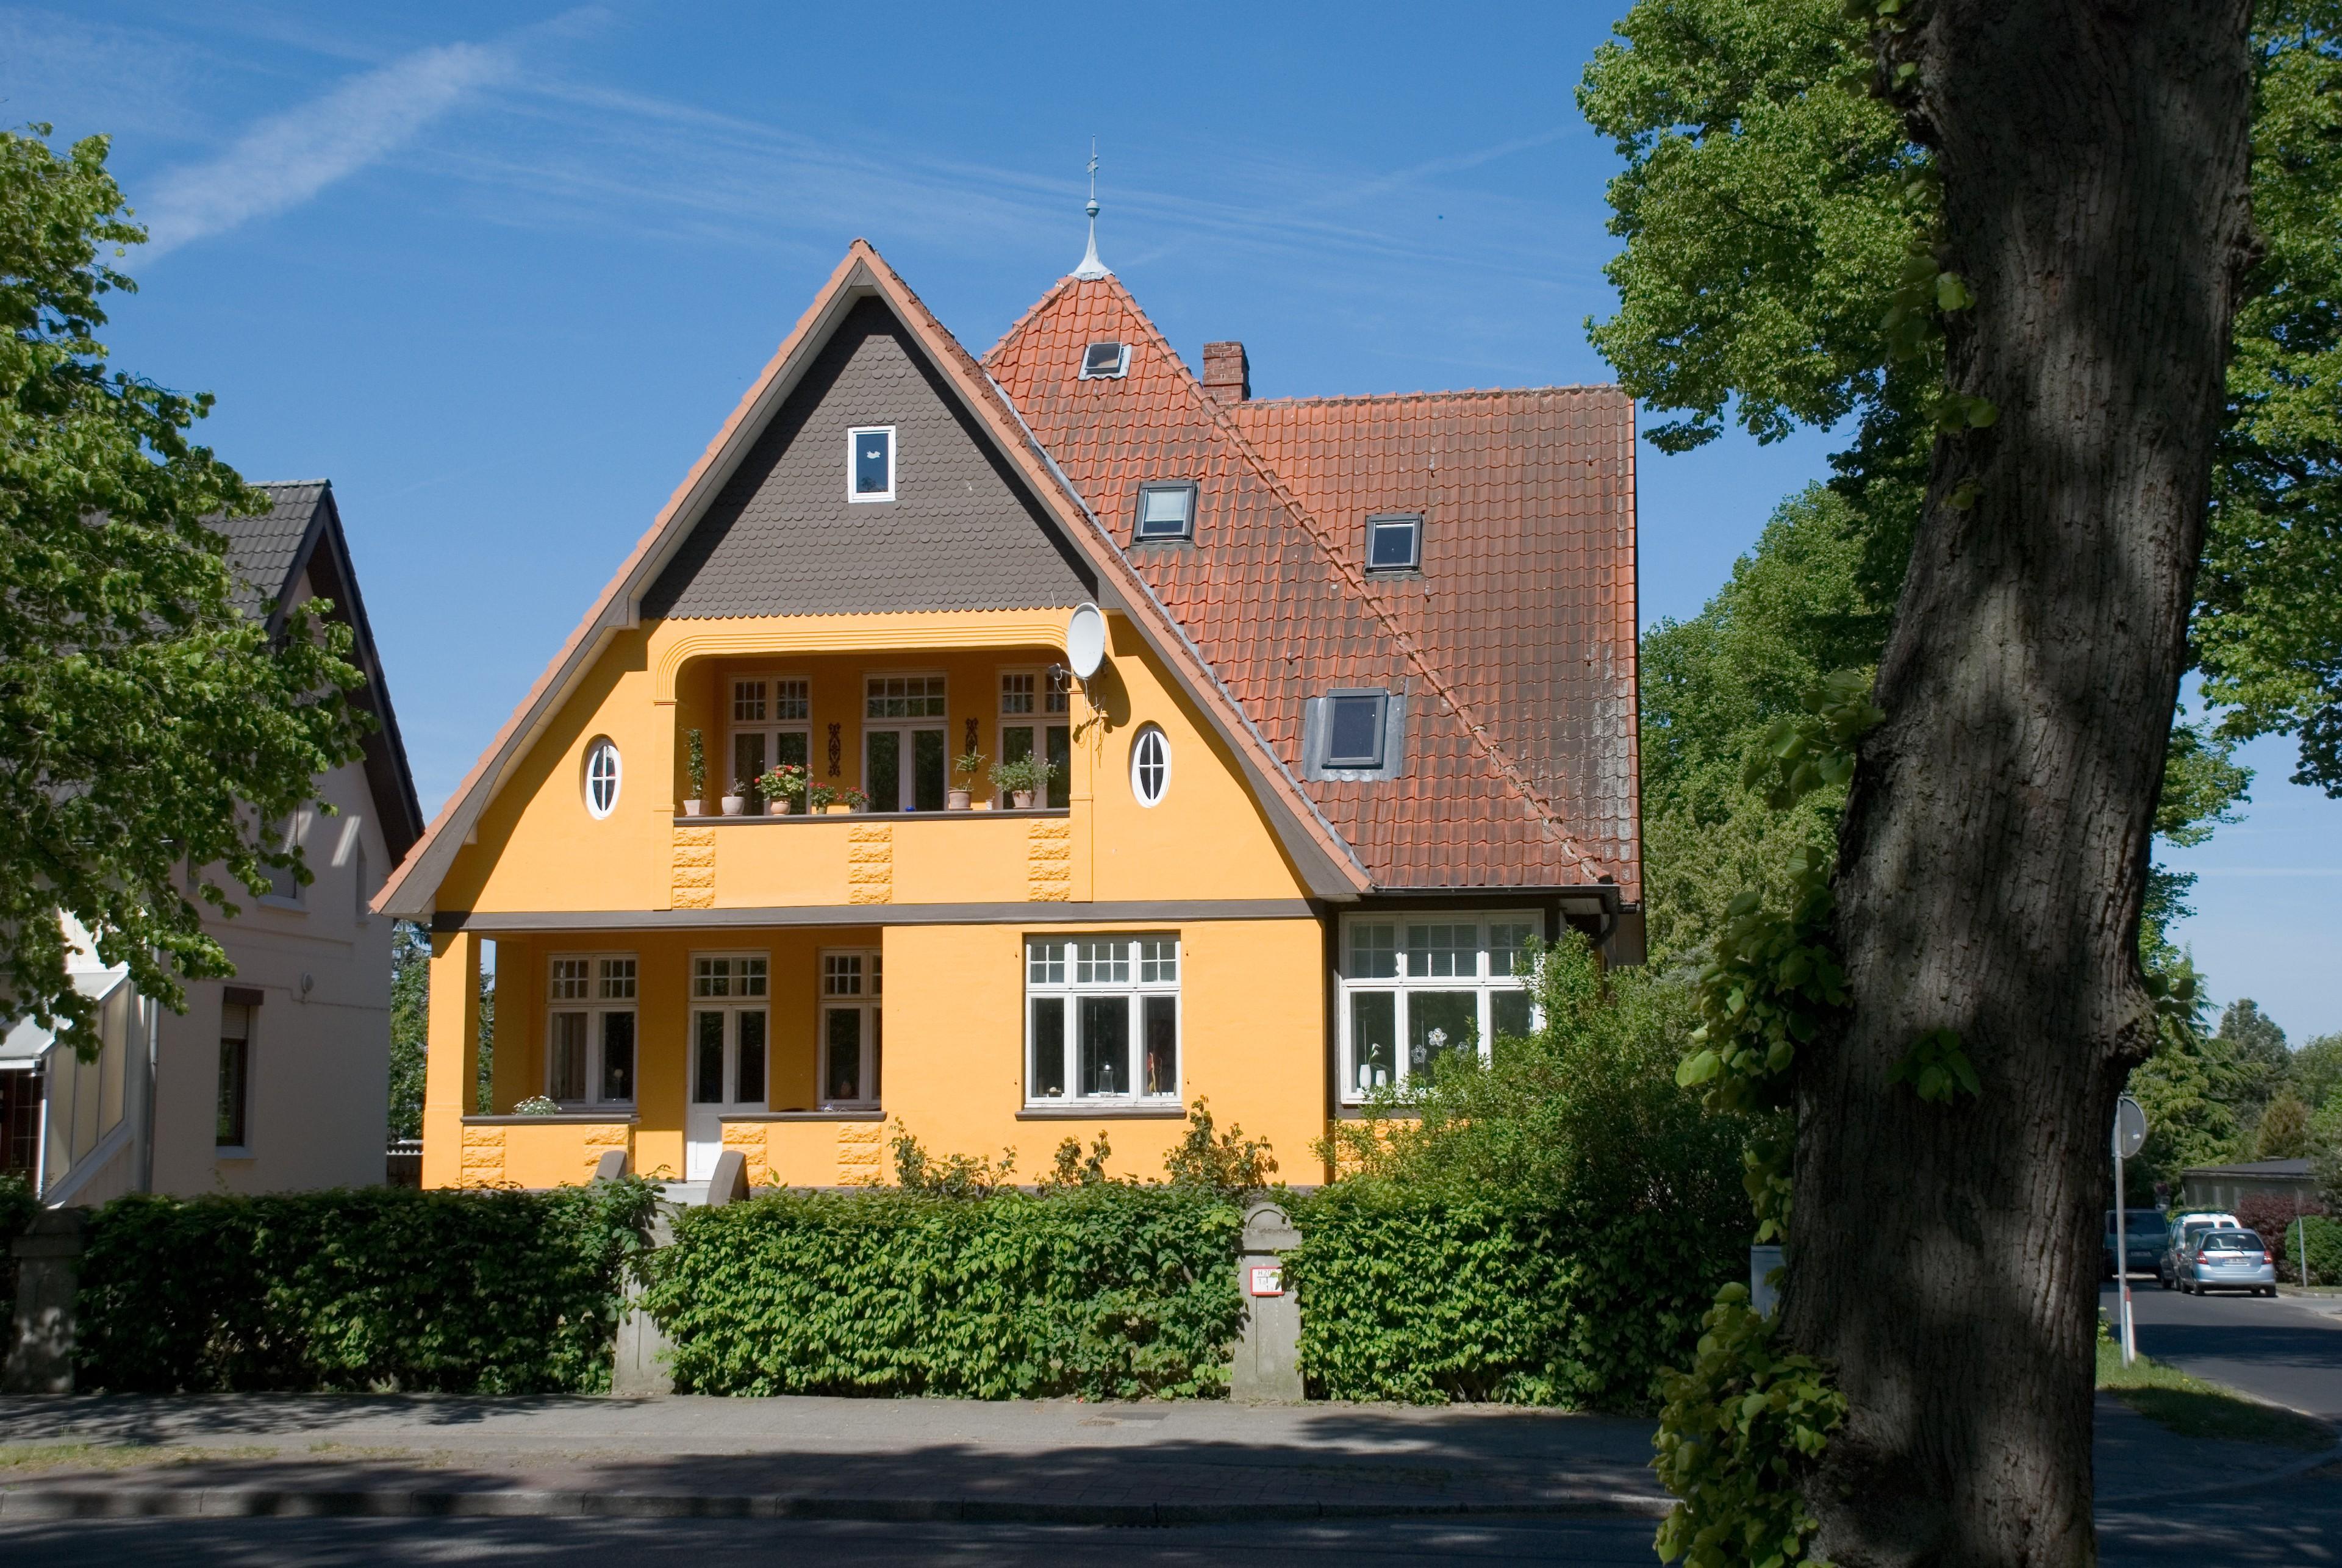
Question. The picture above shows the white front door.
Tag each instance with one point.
(726, 1067)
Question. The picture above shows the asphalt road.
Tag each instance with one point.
(2281, 1351)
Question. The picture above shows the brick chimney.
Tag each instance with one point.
(1227, 374)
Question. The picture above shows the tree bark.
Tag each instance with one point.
(1995, 849)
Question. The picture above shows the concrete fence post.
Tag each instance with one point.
(640, 1367)
(49, 1271)
(1268, 1365)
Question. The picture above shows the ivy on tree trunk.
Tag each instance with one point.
(1995, 852)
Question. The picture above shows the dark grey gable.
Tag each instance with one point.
(781, 539)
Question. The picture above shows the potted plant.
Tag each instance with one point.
(820, 797)
(1023, 779)
(696, 763)
(783, 786)
(854, 799)
(736, 802)
(961, 796)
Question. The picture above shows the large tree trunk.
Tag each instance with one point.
(1946, 1259)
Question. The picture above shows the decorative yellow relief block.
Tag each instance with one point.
(695, 868)
(1048, 861)
(858, 1145)
(870, 864)
(749, 1139)
(484, 1157)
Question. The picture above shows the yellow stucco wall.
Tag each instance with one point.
(1251, 990)
(538, 848)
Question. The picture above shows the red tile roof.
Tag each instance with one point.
(1517, 643)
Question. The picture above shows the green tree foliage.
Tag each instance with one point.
(1585, 1109)
(2318, 1072)
(145, 723)
(410, 1026)
(1772, 219)
(2284, 1130)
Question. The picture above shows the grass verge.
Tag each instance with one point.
(2194, 1408)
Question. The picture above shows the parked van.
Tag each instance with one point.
(2149, 1236)
(2185, 1226)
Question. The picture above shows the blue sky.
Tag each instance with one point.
(501, 279)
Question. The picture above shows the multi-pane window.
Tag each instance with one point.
(903, 743)
(1102, 1019)
(852, 1017)
(730, 1027)
(1029, 700)
(1150, 764)
(772, 722)
(1422, 990)
(602, 776)
(589, 1055)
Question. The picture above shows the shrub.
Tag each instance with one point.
(2324, 1242)
(377, 1289)
(17, 1207)
(1110, 1290)
(2272, 1218)
(1428, 1296)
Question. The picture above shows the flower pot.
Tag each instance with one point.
(839, 808)
(734, 805)
(1021, 798)
(956, 799)
(691, 807)
(779, 806)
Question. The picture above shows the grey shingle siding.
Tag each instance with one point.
(782, 539)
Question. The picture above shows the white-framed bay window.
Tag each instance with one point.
(1418, 989)
(1102, 1019)
(589, 1016)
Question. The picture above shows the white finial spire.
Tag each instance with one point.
(1091, 266)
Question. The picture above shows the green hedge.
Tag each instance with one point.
(17, 1207)
(1424, 1299)
(1109, 1291)
(2324, 1242)
(373, 1290)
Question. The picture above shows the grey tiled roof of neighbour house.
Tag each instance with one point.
(270, 553)
(782, 539)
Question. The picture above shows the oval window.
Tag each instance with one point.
(602, 776)
(1150, 765)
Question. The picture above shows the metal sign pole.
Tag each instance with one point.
(2130, 1135)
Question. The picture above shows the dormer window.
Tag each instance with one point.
(1105, 362)
(870, 463)
(1358, 733)
(1165, 511)
(1395, 542)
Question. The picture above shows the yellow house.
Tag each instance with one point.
(1333, 702)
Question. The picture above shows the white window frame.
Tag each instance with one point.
(1140, 745)
(610, 983)
(1407, 983)
(596, 749)
(285, 890)
(770, 727)
(1052, 710)
(905, 781)
(1121, 362)
(868, 997)
(894, 456)
(1062, 980)
(743, 983)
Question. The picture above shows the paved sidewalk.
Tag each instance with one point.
(1052, 1462)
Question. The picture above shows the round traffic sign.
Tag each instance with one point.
(2130, 1127)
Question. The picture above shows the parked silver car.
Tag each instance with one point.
(2228, 1260)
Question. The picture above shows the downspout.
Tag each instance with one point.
(147, 1093)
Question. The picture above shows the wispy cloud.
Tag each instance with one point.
(286, 158)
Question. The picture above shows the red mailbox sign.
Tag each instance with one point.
(1268, 1279)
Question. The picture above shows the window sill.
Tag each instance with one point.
(844, 1113)
(1104, 1111)
(232, 1151)
(598, 1118)
(289, 906)
(803, 817)
(1359, 1110)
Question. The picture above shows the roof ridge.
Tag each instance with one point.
(1455, 393)
(1051, 291)
(1225, 421)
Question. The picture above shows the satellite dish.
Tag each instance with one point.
(1086, 641)
(2130, 1127)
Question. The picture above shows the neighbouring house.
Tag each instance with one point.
(277, 1078)
(1360, 729)
(2226, 1186)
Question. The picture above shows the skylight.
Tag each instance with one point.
(1394, 542)
(1167, 510)
(1106, 361)
(1355, 730)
